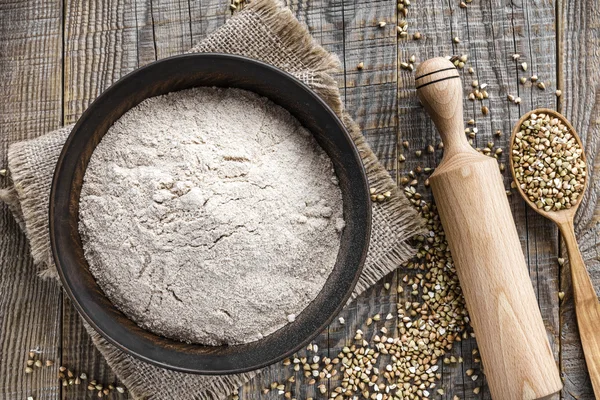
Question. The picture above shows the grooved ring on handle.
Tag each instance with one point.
(433, 79)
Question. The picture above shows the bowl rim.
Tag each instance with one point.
(53, 219)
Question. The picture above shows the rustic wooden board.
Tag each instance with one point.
(370, 94)
(101, 45)
(30, 82)
(542, 237)
(205, 17)
(370, 98)
(172, 29)
(106, 39)
(103, 41)
(580, 64)
(80, 356)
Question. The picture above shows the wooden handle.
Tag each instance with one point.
(440, 90)
(587, 306)
(485, 246)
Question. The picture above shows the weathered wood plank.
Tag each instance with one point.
(434, 20)
(104, 40)
(580, 61)
(205, 17)
(81, 356)
(30, 81)
(101, 45)
(370, 94)
(324, 20)
(172, 29)
(146, 47)
(539, 52)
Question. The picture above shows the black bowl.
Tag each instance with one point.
(178, 73)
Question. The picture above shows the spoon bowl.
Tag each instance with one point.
(587, 306)
(563, 215)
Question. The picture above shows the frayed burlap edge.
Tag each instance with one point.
(36, 218)
(298, 41)
(31, 212)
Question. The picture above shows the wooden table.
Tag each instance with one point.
(56, 57)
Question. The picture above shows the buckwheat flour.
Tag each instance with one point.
(210, 216)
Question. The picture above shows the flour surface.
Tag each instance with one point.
(210, 216)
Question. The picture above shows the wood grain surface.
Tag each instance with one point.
(30, 308)
(580, 64)
(55, 57)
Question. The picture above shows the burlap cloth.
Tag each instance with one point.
(265, 31)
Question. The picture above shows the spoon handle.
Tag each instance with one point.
(587, 306)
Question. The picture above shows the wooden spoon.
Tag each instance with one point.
(587, 305)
